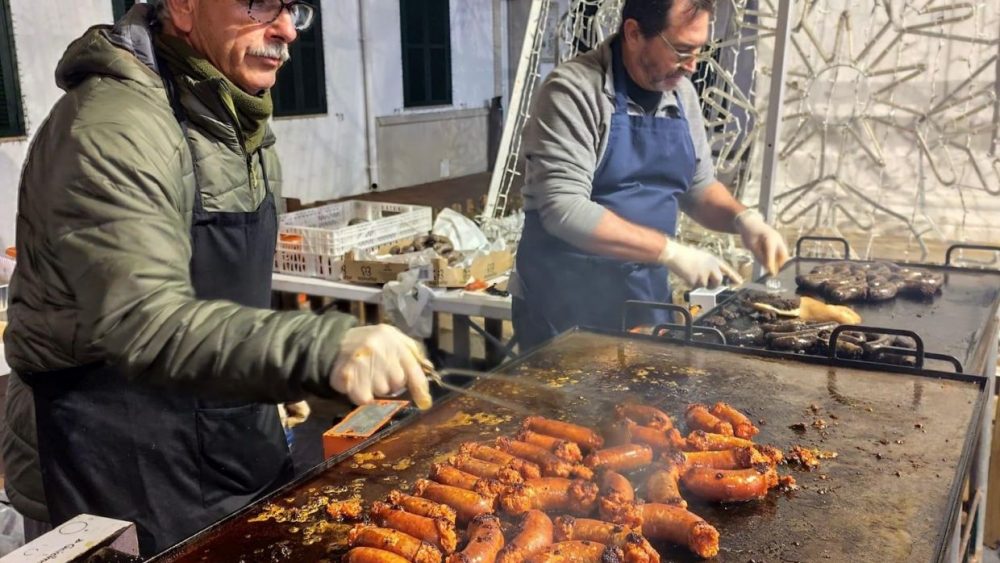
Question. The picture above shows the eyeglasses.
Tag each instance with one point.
(698, 53)
(267, 11)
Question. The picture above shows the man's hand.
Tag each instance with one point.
(379, 360)
(766, 244)
(696, 267)
(295, 414)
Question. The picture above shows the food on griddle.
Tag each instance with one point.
(397, 542)
(547, 461)
(645, 416)
(627, 457)
(876, 281)
(372, 555)
(466, 504)
(730, 485)
(341, 510)
(680, 527)
(572, 496)
(663, 485)
(485, 541)
(527, 469)
(617, 500)
(634, 547)
(581, 435)
(742, 426)
(702, 441)
(563, 449)
(534, 534)
(436, 531)
(485, 469)
(450, 475)
(627, 431)
(738, 458)
(429, 507)
(577, 552)
(808, 458)
(698, 417)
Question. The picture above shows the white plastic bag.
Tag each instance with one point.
(407, 304)
(463, 232)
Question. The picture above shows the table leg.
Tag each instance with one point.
(461, 339)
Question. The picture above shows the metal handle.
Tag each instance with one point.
(631, 304)
(961, 246)
(842, 240)
(918, 353)
(696, 331)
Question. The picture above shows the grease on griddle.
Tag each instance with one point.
(463, 418)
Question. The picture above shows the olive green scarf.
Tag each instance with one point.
(251, 111)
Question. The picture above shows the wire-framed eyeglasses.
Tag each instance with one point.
(683, 57)
(267, 11)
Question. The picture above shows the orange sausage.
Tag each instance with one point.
(730, 485)
(698, 418)
(467, 504)
(372, 555)
(620, 458)
(563, 449)
(585, 437)
(527, 469)
(704, 441)
(742, 426)
(451, 475)
(436, 531)
(422, 506)
(645, 415)
(485, 541)
(656, 439)
(740, 458)
(395, 541)
(546, 460)
(575, 552)
(617, 502)
(615, 484)
(678, 526)
(551, 494)
(534, 534)
(663, 486)
(485, 469)
(636, 549)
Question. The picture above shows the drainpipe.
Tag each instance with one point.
(366, 65)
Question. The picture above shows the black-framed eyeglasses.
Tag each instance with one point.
(266, 11)
(683, 57)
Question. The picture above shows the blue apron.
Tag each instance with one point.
(648, 163)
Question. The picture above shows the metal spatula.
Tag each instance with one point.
(438, 378)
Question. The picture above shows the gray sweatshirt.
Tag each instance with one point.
(567, 136)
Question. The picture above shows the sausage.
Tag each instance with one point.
(372, 555)
(656, 439)
(635, 547)
(534, 534)
(575, 552)
(551, 494)
(586, 438)
(485, 469)
(617, 502)
(645, 415)
(740, 458)
(395, 541)
(436, 531)
(422, 506)
(730, 485)
(742, 426)
(485, 541)
(451, 475)
(527, 469)
(620, 458)
(704, 441)
(663, 487)
(550, 465)
(563, 449)
(678, 526)
(466, 504)
(698, 418)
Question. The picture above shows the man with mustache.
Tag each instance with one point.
(140, 333)
(616, 146)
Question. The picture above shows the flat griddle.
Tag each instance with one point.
(904, 439)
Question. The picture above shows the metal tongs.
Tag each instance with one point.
(438, 378)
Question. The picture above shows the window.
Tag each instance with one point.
(426, 28)
(11, 121)
(119, 7)
(301, 86)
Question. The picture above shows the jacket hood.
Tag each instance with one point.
(123, 52)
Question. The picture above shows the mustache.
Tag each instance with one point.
(271, 51)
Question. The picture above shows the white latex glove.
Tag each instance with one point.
(696, 267)
(295, 413)
(379, 360)
(766, 244)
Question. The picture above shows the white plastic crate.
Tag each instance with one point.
(312, 242)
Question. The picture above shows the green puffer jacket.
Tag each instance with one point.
(103, 237)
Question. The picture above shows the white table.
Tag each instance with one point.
(459, 303)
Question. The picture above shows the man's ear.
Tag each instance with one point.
(631, 31)
(182, 14)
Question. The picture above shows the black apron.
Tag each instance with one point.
(169, 461)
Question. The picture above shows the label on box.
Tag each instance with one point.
(76, 538)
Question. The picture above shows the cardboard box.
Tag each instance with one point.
(78, 538)
(359, 425)
(437, 274)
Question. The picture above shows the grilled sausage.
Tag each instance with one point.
(550, 465)
(730, 485)
(563, 449)
(422, 506)
(742, 426)
(635, 548)
(663, 486)
(466, 504)
(527, 469)
(451, 475)
(485, 541)
(679, 526)
(535, 533)
(585, 437)
(485, 469)
(740, 458)
(551, 494)
(620, 458)
(436, 531)
(372, 555)
(704, 442)
(395, 541)
(617, 502)
(698, 418)
(645, 416)
(575, 552)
